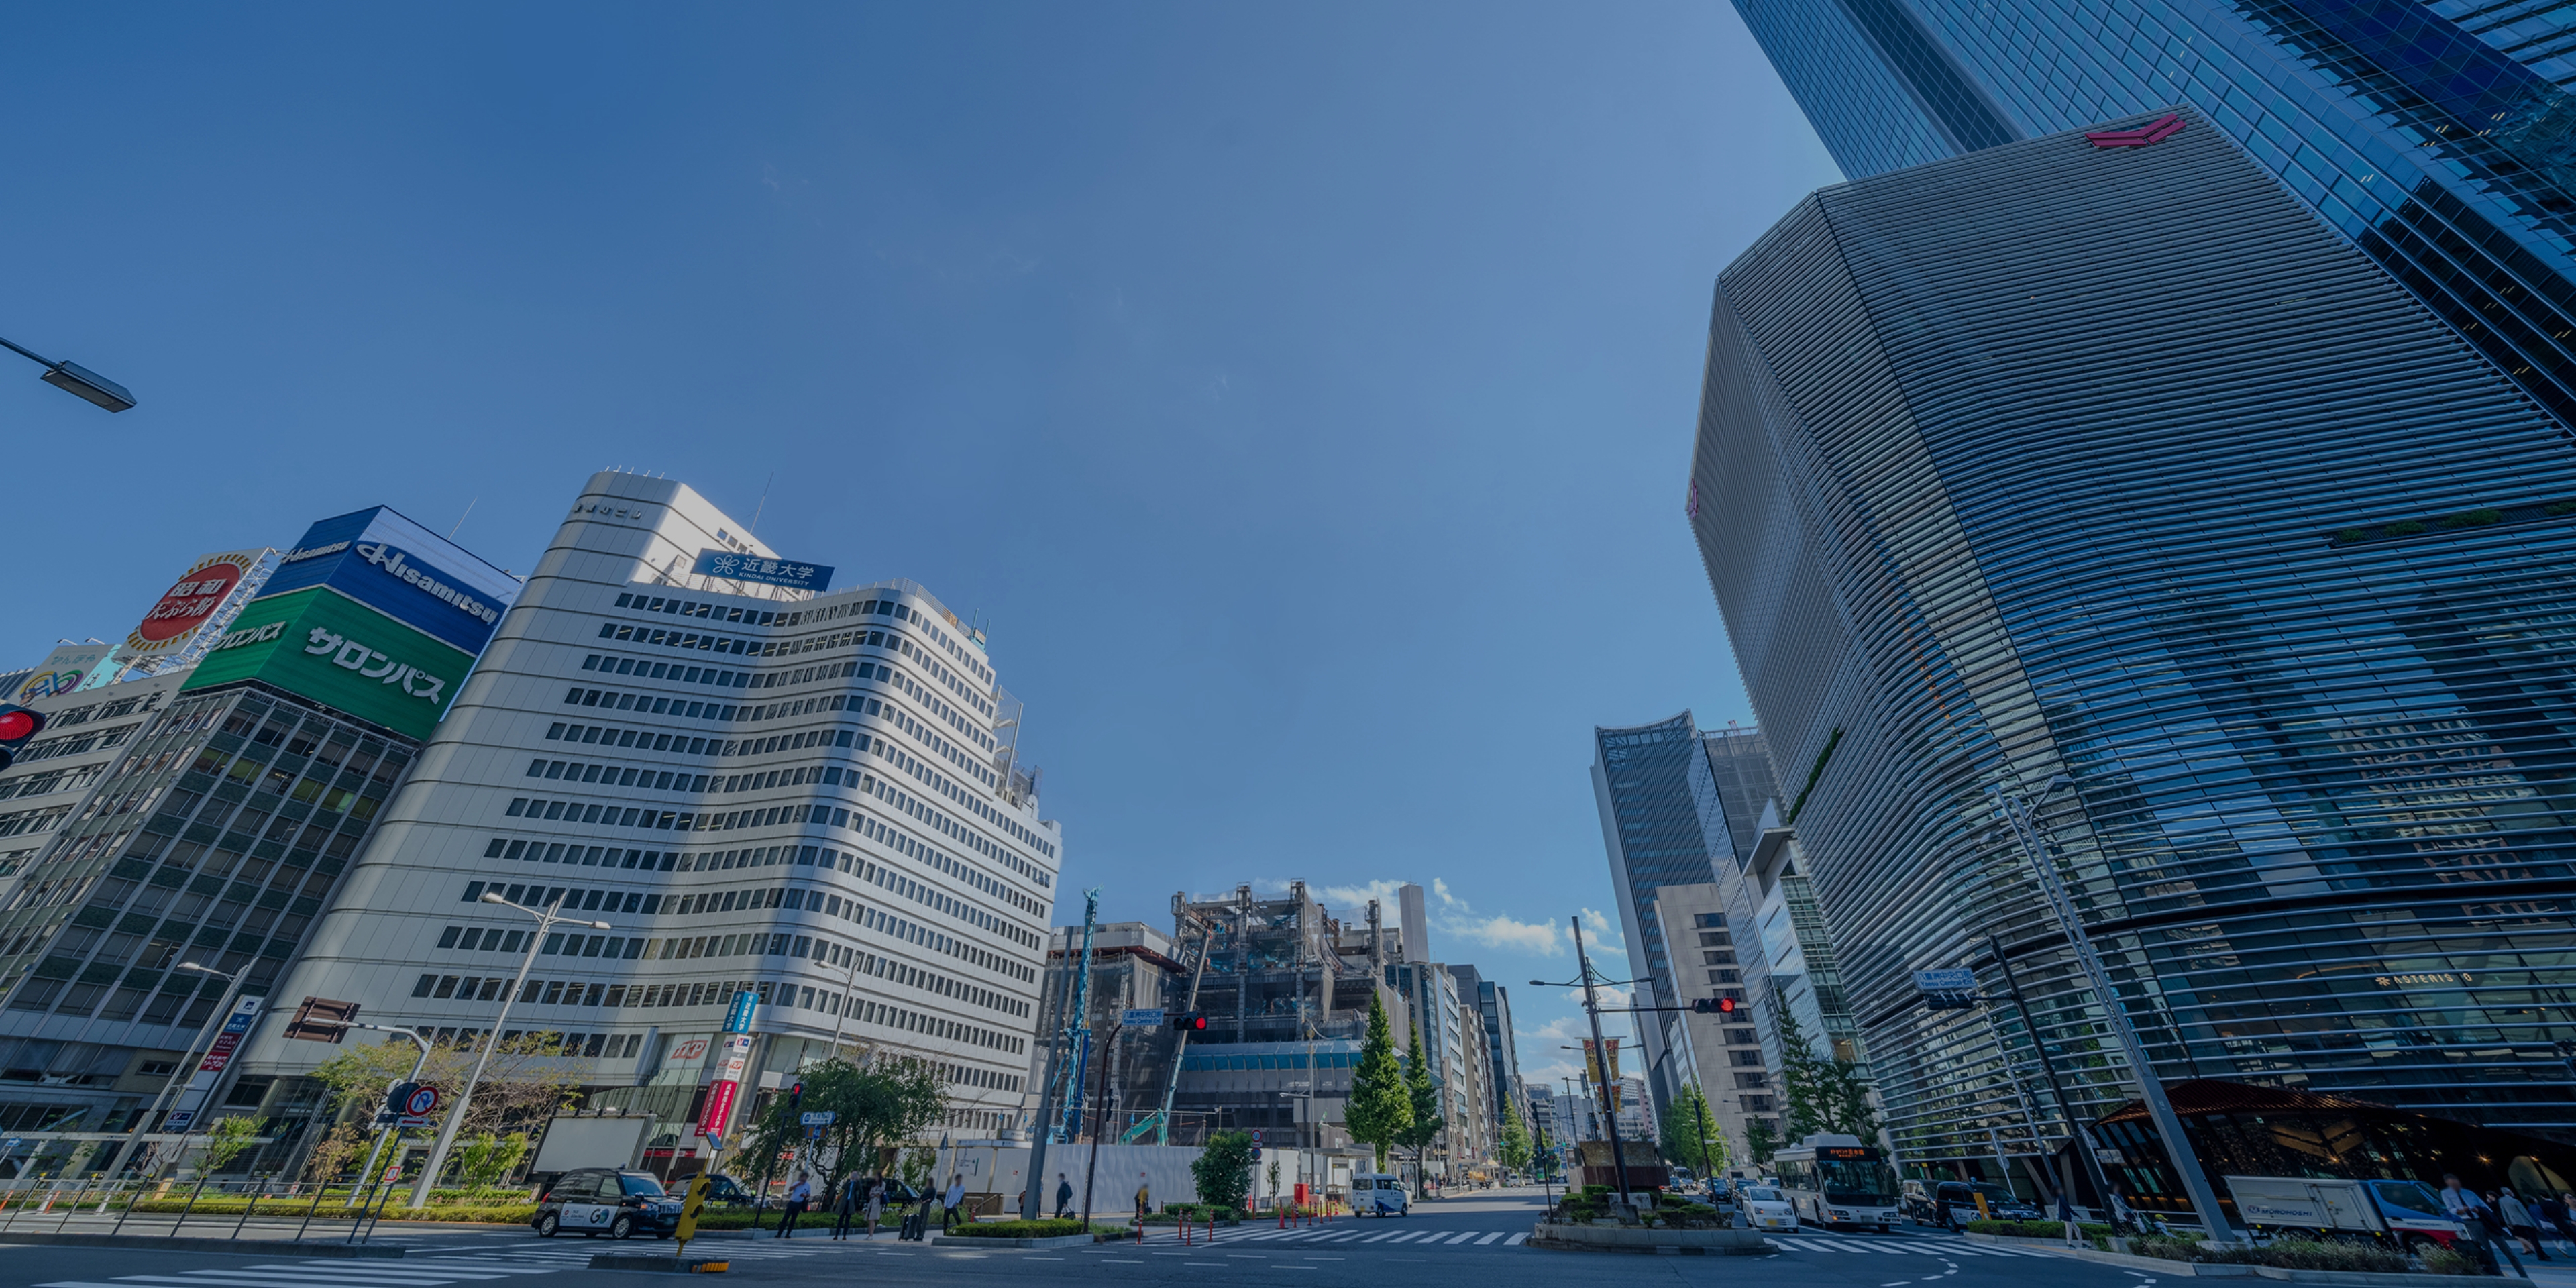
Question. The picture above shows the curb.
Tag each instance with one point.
(239, 1247)
(667, 1265)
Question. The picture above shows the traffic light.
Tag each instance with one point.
(1190, 1021)
(17, 725)
(1714, 1005)
(796, 1095)
(398, 1097)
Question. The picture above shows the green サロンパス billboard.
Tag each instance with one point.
(323, 645)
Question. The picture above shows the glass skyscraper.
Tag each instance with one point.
(2109, 483)
(2437, 137)
(1652, 828)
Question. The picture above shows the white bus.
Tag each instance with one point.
(1835, 1180)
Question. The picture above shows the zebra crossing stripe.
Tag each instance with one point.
(1489, 1238)
(1465, 1237)
(1515, 1240)
(1375, 1237)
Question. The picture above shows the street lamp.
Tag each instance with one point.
(186, 1068)
(547, 919)
(73, 378)
(232, 986)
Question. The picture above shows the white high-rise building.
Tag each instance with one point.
(812, 796)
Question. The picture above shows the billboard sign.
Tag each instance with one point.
(62, 670)
(768, 572)
(199, 593)
(324, 645)
(210, 1070)
(399, 568)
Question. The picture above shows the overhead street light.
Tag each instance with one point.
(73, 378)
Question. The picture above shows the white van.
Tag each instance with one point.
(1378, 1194)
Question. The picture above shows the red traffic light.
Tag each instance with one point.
(1191, 1021)
(18, 724)
(1714, 1005)
(1726, 1006)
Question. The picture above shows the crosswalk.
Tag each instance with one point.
(1902, 1247)
(1347, 1233)
(419, 1268)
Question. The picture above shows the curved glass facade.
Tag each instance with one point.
(2112, 465)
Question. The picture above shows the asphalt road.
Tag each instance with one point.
(1472, 1241)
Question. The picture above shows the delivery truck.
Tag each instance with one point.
(2401, 1214)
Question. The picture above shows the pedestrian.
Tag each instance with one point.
(1144, 1199)
(2560, 1213)
(876, 1204)
(798, 1195)
(2477, 1223)
(1063, 1198)
(846, 1203)
(952, 1211)
(920, 1219)
(2519, 1220)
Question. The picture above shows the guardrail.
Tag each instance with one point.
(216, 1209)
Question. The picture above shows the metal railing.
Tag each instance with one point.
(251, 1208)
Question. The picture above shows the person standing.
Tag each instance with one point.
(1144, 1199)
(798, 1196)
(2478, 1224)
(2519, 1220)
(953, 1203)
(876, 1204)
(845, 1205)
(1063, 1198)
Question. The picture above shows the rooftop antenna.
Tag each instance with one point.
(764, 503)
(460, 519)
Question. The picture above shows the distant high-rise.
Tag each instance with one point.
(2102, 482)
(2445, 150)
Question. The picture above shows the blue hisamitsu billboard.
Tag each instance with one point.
(768, 572)
(411, 574)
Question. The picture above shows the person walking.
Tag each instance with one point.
(2559, 1214)
(845, 1205)
(1144, 1199)
(2518, 1219)
(953, 1203)
(1063, 1198)
(876, 1204)
(2478, 1224)
(798, 1196)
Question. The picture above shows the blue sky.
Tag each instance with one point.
(1303, 394)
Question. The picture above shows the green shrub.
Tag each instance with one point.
(2472, 518)
(2403, 528)
(2164, 1248)
(2444, 1261)
(2555, 507)
(2352, 534)
(2309, 1254)
(1044, 1229)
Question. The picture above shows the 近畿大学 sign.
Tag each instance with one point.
(321, 644)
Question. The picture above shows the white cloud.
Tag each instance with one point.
(1602, 931)
(1447, 900)
(1549, 1072)
(1355, 898)
(1501, 931)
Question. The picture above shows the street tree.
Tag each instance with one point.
(1379, 1108)
(1422, 1096)
(1513, 1146)
(1690, 1135)
(1760, 1143)
(885, 1102)
(520, 1092)
(1223, 1170)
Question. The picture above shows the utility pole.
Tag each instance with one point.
(2151, 1089)
(2079, 1141)
(1180, 1048)
(1601, 1054)
(1091, 1172)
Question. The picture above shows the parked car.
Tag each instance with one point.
(599, 1200)
(1766, 1208)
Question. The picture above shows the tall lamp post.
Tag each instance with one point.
(232, 991)
(547, 919)
(77, 380)
(2151, 1089)
(187, 1067)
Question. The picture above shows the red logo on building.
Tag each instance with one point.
(2165, 127)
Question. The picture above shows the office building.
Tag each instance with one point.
(2092, 477)
(2436, 139)
(757, 782)
(1493, 1010)
(204, 809)
(1726, 1054)
(1652, 831)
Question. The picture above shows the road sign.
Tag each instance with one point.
(424, 1099)
(818, 1117)
(738, 1016)
(1961, 980)
(1141, 1017)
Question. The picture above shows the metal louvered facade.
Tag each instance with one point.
(2113, 463)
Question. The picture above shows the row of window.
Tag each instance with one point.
(672, 671)
(32, 820)
(640, 739)
(618, 776)
(1214, 1062)
(647, 704)
(60, 780)
(887, 608)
